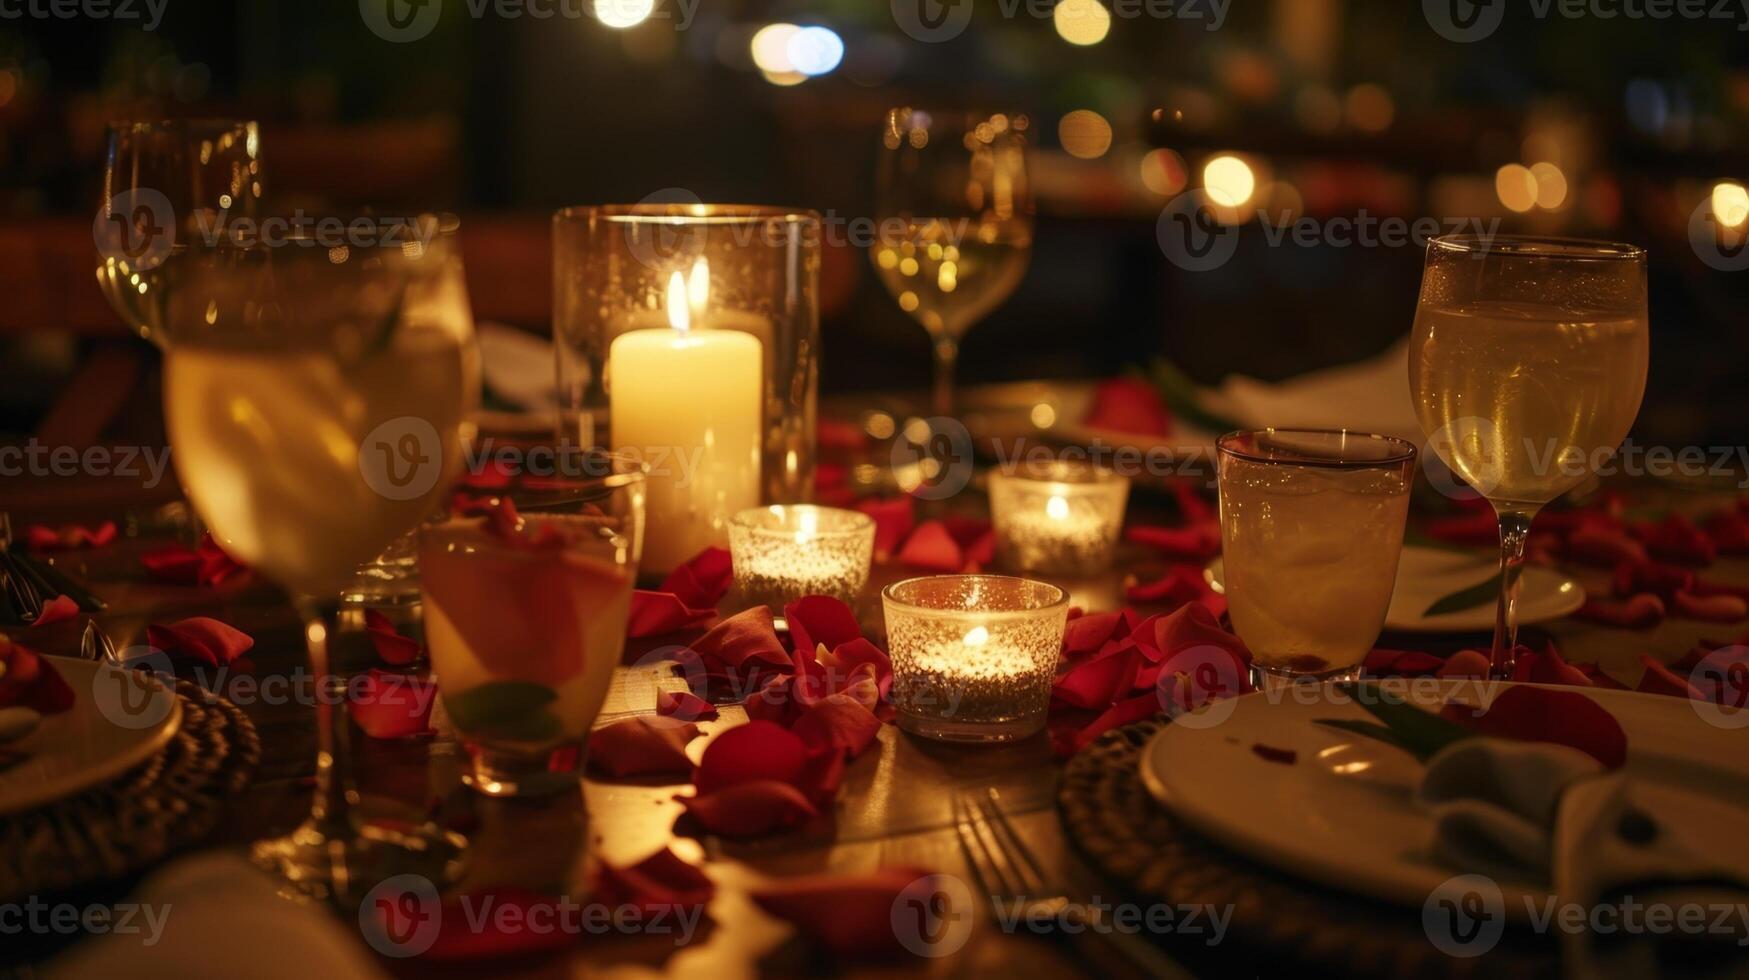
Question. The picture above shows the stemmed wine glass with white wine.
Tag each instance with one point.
(316, 394)
(1527, 366)
(165, 184)
(954, 222)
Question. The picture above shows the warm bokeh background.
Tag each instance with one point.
(1626, 128)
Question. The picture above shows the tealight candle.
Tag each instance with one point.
(688, 402)
(781, 553)
(1057, 517)
(973, 656)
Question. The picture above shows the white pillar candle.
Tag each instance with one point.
(688, 401)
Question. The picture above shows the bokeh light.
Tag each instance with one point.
(621, 14)
(1081, 22)
(1085, 134)
(1163, 172)
(1516, 186)
(1551, 185)
(815, 50)
(1228, 180)
(770, 47)
(1370, 108)
(1730, 203)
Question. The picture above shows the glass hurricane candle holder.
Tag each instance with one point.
(973, 655)
(782, 553)
(688, 334)
(1057, 517)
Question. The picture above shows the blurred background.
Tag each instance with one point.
(1333, 110)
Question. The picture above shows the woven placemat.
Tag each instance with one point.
(170, 802)
(1277, 920)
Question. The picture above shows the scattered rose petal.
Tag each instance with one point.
(516, 922)
(1541, 714)
(685, 706)
(1180, 585)
(69, 536)
(200, 638)
(894, 518)
(1066, 741)
(31, 680)
(1712, 609)
(1476, 529)
(758, 750)
(1663, 581)
(1401, 663)
(659, 884)
(738, 652)
(840, 721)
(660, 613)
(394, 649)
(1659, 679)
(206, 564)
(1196, 543)
(1729, 531)
(1466, 663)
(750, 809)
(389, 705)
(1089, 633)
(702, 580)
(1604, 546)
(56, 609)
(1677, 539)
(851, 917)
(1131, 405)
(1642, 611)
(1095, 682)
(642, 746)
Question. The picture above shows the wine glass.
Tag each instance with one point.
(165, 185)
(953, 222)
(1527, 366)
(316, 396)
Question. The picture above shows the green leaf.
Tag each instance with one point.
(512, 710)
(1480, 594)
(1420, 732)
(1184, 398)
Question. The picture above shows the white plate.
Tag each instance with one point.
(1426, 575)
(119, 719)
(1342, 815)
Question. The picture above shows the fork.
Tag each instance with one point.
(1011, 876)
(94, 644)
(25, 602)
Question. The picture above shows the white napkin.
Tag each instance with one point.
(1552, 815)
(1366, 396)
(221, 917)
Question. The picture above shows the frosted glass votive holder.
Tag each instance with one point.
(786, 551)
(1057, 517)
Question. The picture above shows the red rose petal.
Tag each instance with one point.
(388, 705)
(1131, 405)
(1663, 581)
(1068, 741)
(703, 580)
(741, 649)
(1466, 663)
(1659, 679)
(1548, 667)
(1720, 676)
(894, 518)
(1541, 714)
(1712, 609)
(56, 609)
(1643, 611)
(1604, 546)
(851, 917)
(1182, 584)
(1677, 539)
(685, 706)
(774, 701)
(1197, 543)
(642, 746)
(659, 883)
(819, 619)
(1088, 634)
(750, 809)
(502, 925)
(1402, 663)
(394, 649)
(1729, 531)
(931, 547)
(840, 721)
(1096, 682)
(1477, 529)
(660, 613)
(758, 750)
(69, 536)
(200, 638)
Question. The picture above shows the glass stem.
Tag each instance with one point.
(1514, 528)
(947, 354)
(331, 810)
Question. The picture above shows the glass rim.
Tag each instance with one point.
(888, 595)
(857, 525)
(1083, 476)
(212, 123)
(1550, 247)
(687, 214)
(627, 471)
(1402, 450)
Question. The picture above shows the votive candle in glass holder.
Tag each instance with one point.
(973, 656)
(783, 552)
(1057, 517)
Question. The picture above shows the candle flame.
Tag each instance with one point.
(810, 525)
(1057, 508)
(698, 287)
(977, 637)
(679, 315)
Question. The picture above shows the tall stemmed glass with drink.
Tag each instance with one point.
(316, 395)
(1527, 366)
(1311, 530)
(165, 185)
(953, 222)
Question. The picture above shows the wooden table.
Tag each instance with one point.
(893, 809)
